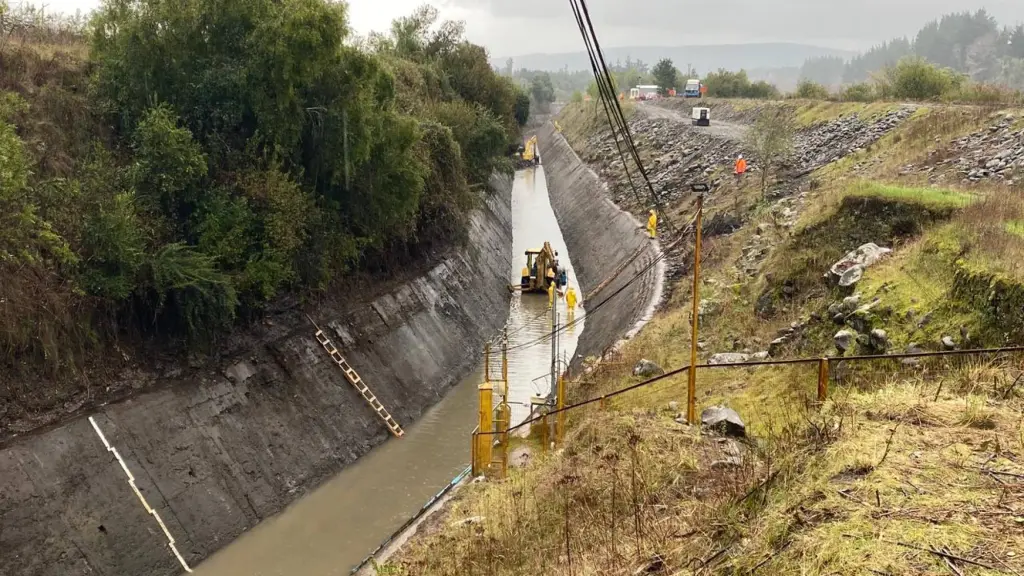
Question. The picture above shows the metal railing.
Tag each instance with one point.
(826, 372)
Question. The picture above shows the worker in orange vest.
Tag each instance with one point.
(741, 165)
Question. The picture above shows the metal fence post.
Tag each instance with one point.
(822, 379)
(691, 391)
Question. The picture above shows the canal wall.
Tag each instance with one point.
(216, 449)
(606, 243)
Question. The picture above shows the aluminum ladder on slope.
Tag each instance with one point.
(355, 380)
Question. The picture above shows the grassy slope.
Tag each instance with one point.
(900, 461)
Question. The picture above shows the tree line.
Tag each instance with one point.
(210, 156)
(970, 43)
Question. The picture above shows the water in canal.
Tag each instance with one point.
(331, 530)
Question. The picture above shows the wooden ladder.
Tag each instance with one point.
(356, 381)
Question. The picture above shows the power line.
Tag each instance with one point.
(613, 110)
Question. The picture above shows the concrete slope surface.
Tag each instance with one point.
(216, 454)
(601, 238)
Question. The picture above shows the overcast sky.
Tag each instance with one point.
(512, 27)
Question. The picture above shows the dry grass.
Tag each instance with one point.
(912, 473)
(991, 232)
(631, 491)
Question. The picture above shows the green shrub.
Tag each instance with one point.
(811, 90)
(914, 78)
(725, 84)
(860, 92)
(480, 136)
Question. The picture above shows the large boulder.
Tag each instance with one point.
(879, 339)
(723, 421)
(646, 369)
(850, 268)
(844, 339)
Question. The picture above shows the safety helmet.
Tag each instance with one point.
(741, 157)
(652, 211)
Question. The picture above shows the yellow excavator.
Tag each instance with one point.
(527, 155)
(540, 271)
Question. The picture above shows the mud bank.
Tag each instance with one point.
(604, 241)
(217, 453)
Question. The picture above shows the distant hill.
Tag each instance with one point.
(703, 58)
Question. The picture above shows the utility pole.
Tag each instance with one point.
(691, 394)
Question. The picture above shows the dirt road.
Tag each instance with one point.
(718, 128)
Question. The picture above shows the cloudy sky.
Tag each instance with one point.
(513, 27)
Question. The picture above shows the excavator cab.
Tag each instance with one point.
(540, 271)
(528, 156)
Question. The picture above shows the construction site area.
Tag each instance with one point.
(668, 334)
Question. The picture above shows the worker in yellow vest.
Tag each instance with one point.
(570, 298)
(652, 224)
(551, 294)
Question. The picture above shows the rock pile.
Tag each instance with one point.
(995, 153)
(830, 141)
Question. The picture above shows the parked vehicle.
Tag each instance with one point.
(692, 89)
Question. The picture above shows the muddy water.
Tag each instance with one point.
(332, 529)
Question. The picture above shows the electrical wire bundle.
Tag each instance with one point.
(612, 108)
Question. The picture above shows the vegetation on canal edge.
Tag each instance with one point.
(172, 168)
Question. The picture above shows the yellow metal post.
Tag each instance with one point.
(822, 379)
(691, 393)
(560, 418)
(485, 438)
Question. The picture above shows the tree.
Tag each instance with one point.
(771, 140)
(665, 75)
(522, 107)
(543, 91)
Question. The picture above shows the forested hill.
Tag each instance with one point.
(972, 43)
(172, 166)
